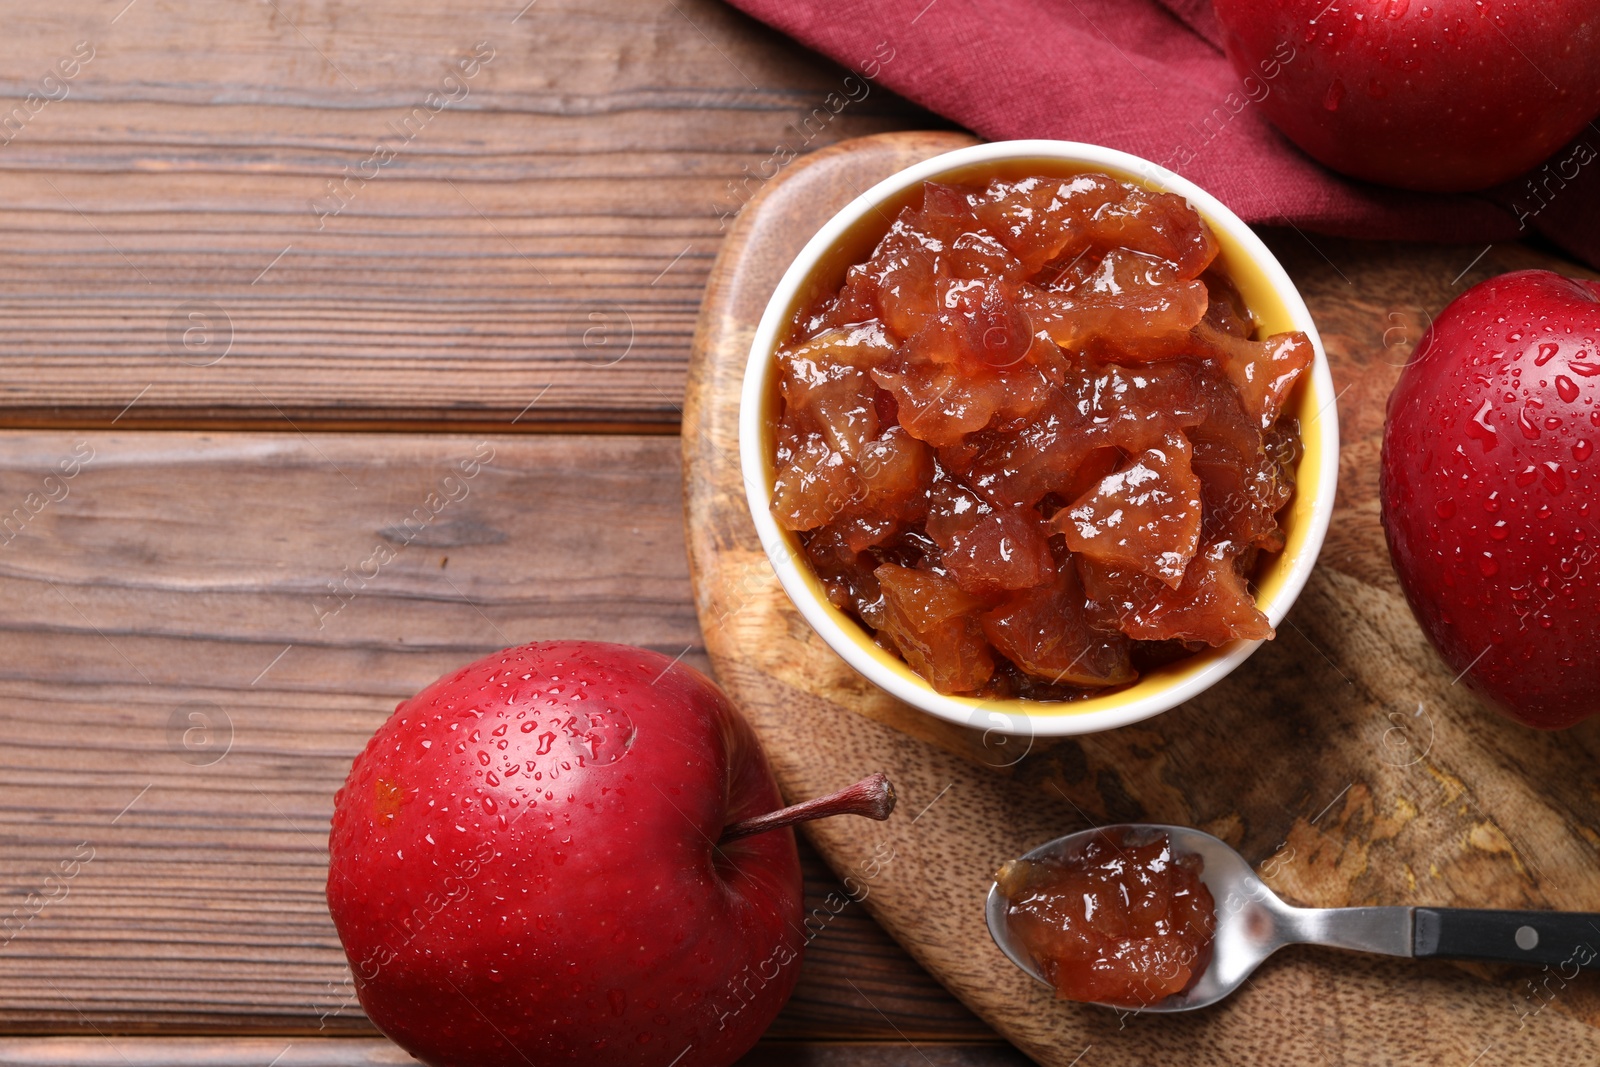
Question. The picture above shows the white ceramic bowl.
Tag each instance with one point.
(848, 238)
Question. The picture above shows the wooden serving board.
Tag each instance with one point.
(1341, 758)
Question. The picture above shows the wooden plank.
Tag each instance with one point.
(170, 255)
(1342, 759)
(359, 1052)
(106, 1050)
(172, 575)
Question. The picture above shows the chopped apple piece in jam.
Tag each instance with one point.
(1145, 516)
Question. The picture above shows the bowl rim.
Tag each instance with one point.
(1016, 716)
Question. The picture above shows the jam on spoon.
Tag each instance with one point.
(1122, 920)
(1249, 922)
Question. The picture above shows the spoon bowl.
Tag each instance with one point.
(1252, 923)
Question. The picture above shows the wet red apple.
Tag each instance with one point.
(1489, 488)
(565, 853)
(1443, 95)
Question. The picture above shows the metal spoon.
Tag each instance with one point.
(1252, 924)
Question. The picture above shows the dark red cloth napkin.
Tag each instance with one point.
(1149, 78)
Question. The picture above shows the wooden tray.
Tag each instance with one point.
(1340, 759)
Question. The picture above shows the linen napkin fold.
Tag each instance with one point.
(1149, 77)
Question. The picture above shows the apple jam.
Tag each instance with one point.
(1125, 921)
(1031, 444)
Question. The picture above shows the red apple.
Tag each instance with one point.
(1443, 95)
(545, 858)
(1489, 485)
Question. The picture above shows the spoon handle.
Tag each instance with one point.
(1555, 938)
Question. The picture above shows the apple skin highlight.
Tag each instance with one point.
(525, 867)
(1487, 485)
(1437, 95)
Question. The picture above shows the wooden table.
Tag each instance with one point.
(273, 336)
(268, 269)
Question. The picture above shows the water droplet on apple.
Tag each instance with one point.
(1582, 450)
(1566, 388)
(483, 757)
(1334, 95)
(1547, 352)
(600, 737)
(1487, 565)
(1479, 428)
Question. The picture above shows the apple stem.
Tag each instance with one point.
(873, 797)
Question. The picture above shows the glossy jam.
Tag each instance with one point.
(1123, 922)
(1030, 442)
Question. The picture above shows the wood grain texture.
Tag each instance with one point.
(544, 233)
(1340, 758)
(358, 1052)
(180, 575)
